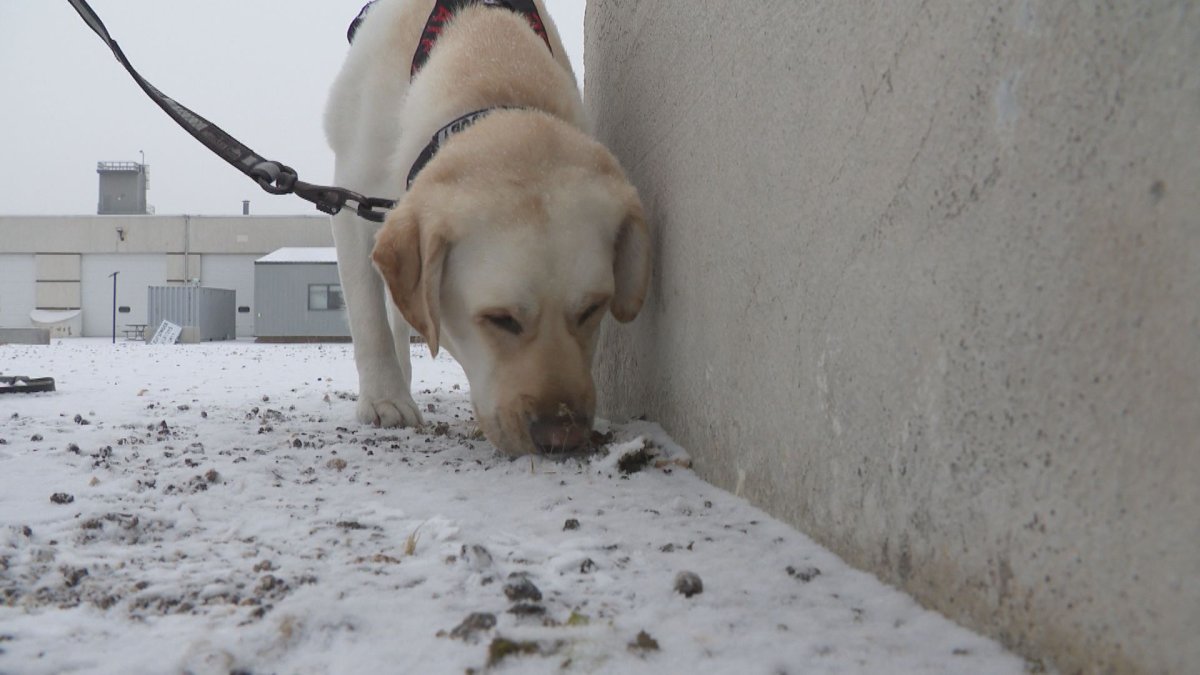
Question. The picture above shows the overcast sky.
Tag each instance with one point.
(259, 69)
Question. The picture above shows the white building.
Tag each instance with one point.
(60, 267)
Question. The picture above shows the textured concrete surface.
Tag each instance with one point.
(928, 286)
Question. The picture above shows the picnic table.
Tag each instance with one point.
(135, 331)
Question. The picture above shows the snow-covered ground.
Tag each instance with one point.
(215, 509)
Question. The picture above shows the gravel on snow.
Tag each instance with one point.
(215, 508)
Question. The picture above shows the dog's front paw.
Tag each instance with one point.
(396, 411)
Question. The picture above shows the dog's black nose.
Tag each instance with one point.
(559, 434)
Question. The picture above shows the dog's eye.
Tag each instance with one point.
(504, 322)
(589, 313)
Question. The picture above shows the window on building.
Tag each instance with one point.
(325, 296)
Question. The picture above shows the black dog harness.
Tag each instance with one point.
(443, 12)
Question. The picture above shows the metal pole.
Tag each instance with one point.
(114, 312)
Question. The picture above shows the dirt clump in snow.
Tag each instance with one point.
(689, 584)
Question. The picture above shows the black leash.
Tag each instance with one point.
(274, 177)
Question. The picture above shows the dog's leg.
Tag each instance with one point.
(401, 332)
(384, 381)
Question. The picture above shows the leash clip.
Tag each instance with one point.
(332, 200)
(275, 178)
(280, 179)
(367, 205)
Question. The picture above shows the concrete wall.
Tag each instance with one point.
(136, 272)
(161, 234)
(928, 286)
(18, 290)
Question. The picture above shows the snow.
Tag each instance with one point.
(221, 512)
(301, 254)
(52, 316)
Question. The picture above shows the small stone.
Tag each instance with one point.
(73, 575)
(587, 566)
(336, 463)
(62, 498)
(804, 574)
(477, 622)
(571, 524)
(212, 476)
(35, 437)
(643, 643)
(689, 584)
(502, 647)
(522, 589)
(475, 556)
(527, 609)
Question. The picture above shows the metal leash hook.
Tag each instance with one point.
(367, 205)
(331, 200)
(275, 178)
(281, 179)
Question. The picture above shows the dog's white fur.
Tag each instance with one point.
(520, 218)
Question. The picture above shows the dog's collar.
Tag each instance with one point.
(445, 10)
(444, 134)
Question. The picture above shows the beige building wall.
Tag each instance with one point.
(928, 286)
(158, 234)
(64, 262)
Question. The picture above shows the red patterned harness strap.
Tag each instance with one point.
(445, 10)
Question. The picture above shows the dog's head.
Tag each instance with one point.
(508, 250)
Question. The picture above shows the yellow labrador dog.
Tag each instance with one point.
(516, 234)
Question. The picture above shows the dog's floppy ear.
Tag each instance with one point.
(410, 259)
(631, 262)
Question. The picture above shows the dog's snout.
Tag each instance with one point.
(559, 433)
